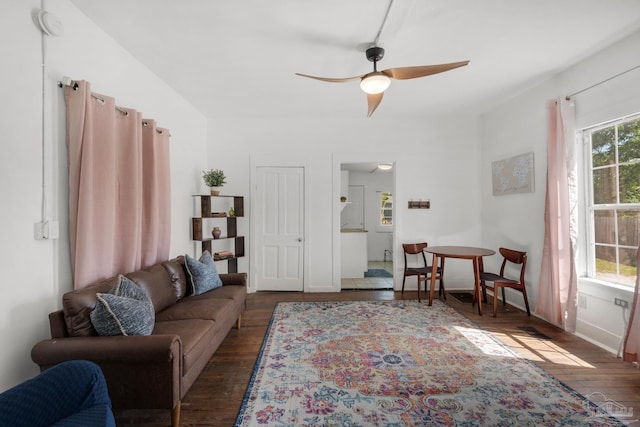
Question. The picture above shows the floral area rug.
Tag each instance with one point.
(399, 363)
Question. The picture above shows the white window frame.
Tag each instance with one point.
(590, 208)
(380, 227)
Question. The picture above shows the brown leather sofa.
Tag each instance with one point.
(155, 371)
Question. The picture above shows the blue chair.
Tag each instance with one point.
(73, 393)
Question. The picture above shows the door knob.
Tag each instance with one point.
(299, 239)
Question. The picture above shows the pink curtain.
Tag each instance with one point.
(156, 183)
(119, 192)
(558, 285)
(632, 338)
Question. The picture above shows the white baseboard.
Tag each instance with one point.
(598, 336)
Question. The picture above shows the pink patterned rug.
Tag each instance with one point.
(399, 363)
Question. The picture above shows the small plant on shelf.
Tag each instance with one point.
(215, 179)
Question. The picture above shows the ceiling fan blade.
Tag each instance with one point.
(405, 73)
(330, 79)
(373, 101)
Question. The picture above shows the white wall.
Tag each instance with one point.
(27, 265)
(519, 126)
(435, 159)
(37, 273)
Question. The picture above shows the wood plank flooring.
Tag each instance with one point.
(216, 396)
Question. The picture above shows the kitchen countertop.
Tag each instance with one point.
(352, 230)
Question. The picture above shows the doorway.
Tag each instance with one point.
(366, 227)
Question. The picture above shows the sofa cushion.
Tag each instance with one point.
(210, 309)
(203, 273)
(77, 307)
(237, 293)
(178, 275)
(156, 281)
(125, 310)
(196, 336)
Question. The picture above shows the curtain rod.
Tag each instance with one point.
(66, 81)
(568, 97)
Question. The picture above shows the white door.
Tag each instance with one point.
(279, 228)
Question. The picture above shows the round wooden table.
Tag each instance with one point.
(462, 252)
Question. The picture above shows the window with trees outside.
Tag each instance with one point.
(613, 202)
(386, 208)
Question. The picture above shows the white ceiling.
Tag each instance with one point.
(238, 58)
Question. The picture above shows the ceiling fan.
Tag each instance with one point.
(375, 83)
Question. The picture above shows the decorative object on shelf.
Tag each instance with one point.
(222, 255)
(343, 198)
(216, 232)
(232, 212)
(420, 204)
(215, 179)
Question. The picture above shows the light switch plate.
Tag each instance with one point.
(39, 232)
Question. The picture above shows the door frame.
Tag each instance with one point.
(337, 160)
(274, 161)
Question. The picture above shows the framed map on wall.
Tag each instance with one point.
(513, 175)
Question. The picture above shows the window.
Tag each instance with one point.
(613, 202)
(386, 208)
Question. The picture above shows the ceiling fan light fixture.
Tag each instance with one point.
(385, 166)
(375, 82)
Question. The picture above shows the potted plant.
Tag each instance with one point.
(214, 178)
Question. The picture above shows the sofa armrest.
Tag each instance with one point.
(57, 325)
(141, 371)
(129, 349)
(234, 279)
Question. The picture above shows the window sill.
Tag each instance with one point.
(604, 285)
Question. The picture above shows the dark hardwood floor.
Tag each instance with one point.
(216, 396)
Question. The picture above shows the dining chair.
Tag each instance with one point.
(413, 267)
(499, 281)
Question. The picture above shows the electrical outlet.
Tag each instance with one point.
(621, 303)
(582, 301)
